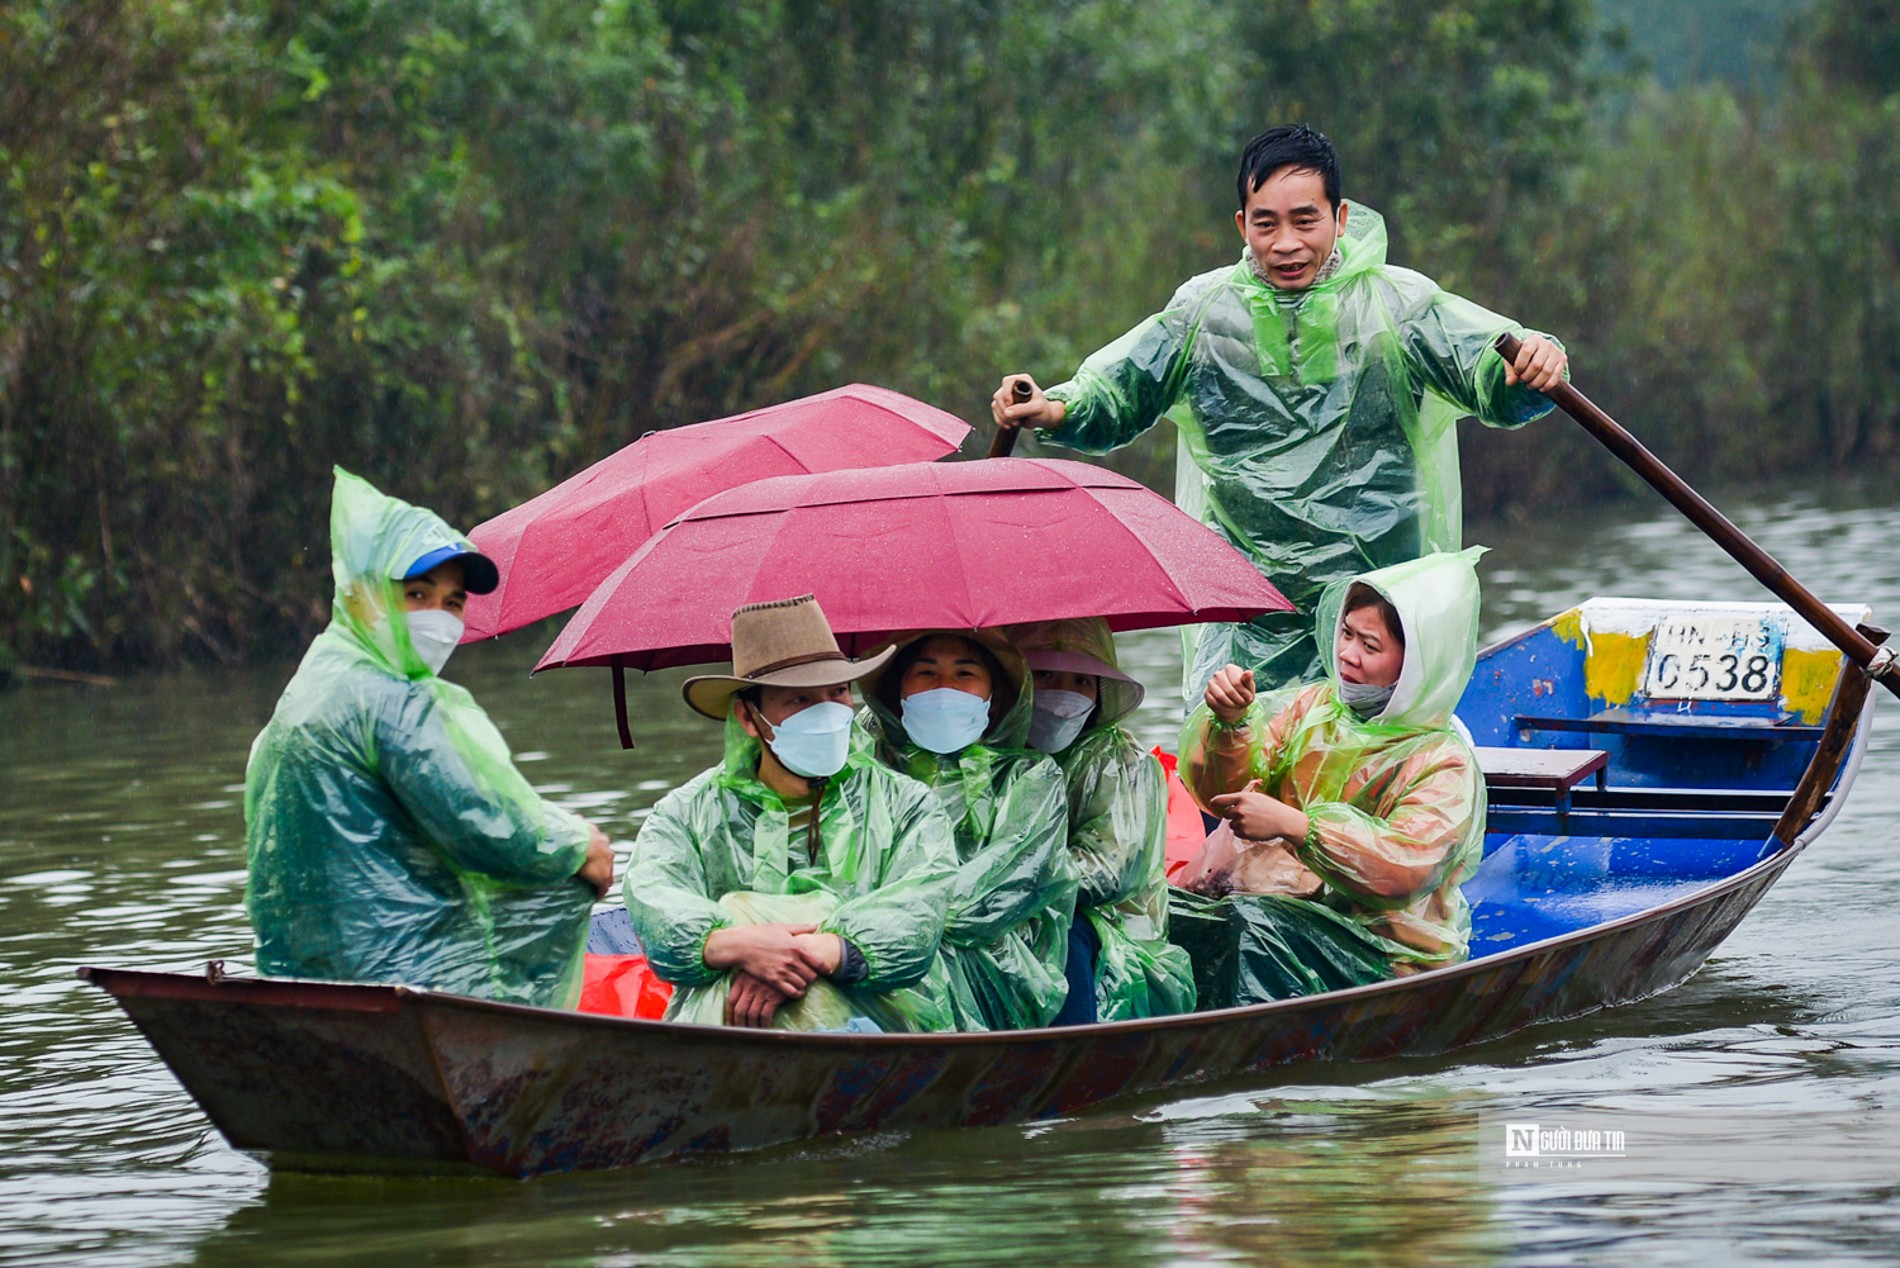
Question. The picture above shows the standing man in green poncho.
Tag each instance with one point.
(1314, 387)
(390, 836)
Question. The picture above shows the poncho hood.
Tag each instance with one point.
(739, 764)
(1437, 600)
(374, 539)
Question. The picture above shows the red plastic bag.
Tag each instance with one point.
(1185, 829)
(623, 986)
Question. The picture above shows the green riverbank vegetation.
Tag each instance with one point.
(467, 247)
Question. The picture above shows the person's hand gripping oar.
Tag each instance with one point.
(1877, 660)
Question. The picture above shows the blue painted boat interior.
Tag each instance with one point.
(1533, 886)
(1691, 794)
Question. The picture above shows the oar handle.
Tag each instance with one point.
(1004, 441)
(1878, 661)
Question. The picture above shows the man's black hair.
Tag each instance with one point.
(1290, 145)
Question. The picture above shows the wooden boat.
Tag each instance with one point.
(1654, 768)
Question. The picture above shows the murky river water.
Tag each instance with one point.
(121, 843)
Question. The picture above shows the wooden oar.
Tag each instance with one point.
(1004, 441)
(1877, 660)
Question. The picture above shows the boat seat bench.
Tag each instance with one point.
(1557, 769)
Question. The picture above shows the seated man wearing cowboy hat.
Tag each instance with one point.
(800, 883)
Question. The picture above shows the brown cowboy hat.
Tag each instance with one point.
(784, 643)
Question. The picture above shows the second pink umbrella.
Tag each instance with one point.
(925, 545)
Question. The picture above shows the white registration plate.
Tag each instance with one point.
(1715, 658)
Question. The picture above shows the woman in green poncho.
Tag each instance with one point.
(390, 837)
(800, 884)
(953, 710)
(1362, 779)
(1117, 825)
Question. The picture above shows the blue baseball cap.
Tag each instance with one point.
(479, 573)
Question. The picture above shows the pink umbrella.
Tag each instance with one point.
(927, 545)
(554, 549)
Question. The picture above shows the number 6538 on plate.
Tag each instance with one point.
(1711, 657)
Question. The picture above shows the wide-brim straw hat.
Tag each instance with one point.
(784, 643)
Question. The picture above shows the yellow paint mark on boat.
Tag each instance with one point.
(1807, 681)
(1569, 626)
(1615, 666)
(1612, 662)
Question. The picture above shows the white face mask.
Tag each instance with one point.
(1058, 718)
(815, 741)
(434, 634)
(945, 720)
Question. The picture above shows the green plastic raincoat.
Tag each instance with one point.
(1315, 427)
(1118, 837)
(391, 838)
(1396, 801)
(1006, 935)
(717, 851)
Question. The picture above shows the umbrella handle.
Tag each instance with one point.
(1004, 441)
(620, 705)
